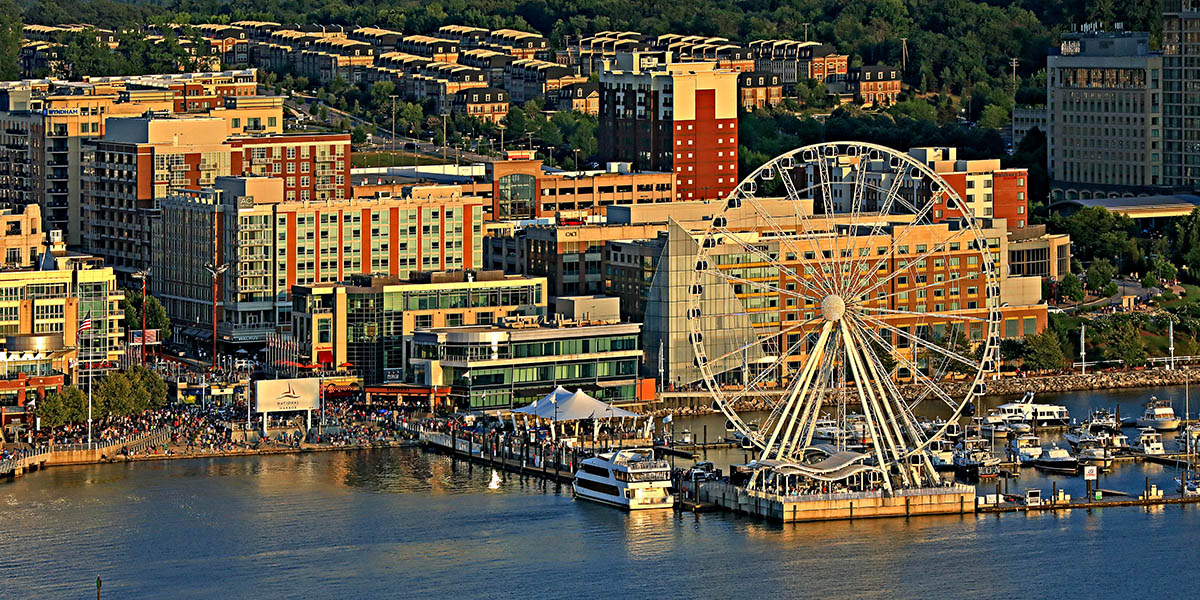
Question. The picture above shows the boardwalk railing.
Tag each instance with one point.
(135, 443)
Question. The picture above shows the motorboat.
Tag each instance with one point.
(1095, 454)
(1089, 433)
(827, 430)
(994, 425)
(1189, 484)
(1149, 442)
(973, 459)
(1057, 460)
(1103, 420)
(1025, 448)
(630, 479)
(1160, 415)
(1037, 415)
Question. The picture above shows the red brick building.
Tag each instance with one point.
(676, 117)
(758, 90)
(875, 86)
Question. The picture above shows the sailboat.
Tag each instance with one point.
(1189, 479)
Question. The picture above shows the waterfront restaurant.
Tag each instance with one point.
(519, 360)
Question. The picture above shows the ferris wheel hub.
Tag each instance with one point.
(833, 307)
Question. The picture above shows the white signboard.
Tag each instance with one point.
(273, 395)
(1089, 473)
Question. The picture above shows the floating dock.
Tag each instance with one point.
(946, 500)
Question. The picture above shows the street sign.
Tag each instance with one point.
(1089, 473)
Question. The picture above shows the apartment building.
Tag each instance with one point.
(1180, 96)
(1104, 113)
(988, 189)
(878, 85)
(488, 104)
(682, 118)
(142, 160)
(795, 61)
(270, 244)
(759, 90)
(22, 239)
(46, 127)
(529, 78)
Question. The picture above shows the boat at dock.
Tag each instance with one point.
(629, 479)
(1095, 454)
(1056, 460)
(973, 459)
(1037, 415)
(1160, 415)
(1103, 420)
(1025, 449)
(1149, 442)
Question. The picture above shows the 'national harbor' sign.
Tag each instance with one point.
(275, 395)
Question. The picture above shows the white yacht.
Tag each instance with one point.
(1149, 442)
(1093, 453)
(1159, 415)
(1038, 415)
(1188, 440)
(630, 479)
(1025, 448)
(941, 454)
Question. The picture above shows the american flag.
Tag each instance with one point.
(85, 324)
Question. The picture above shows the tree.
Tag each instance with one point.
(1044, 352)
(114, 396)
(1100, 274)
(994, 117)
(1150, 280)
(11, 33)
(1072, 288)
(148, 386)
(156, 315)
(67, 405)
(1124, 342)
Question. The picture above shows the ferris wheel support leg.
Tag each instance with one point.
(877, 392)
(877, 435)
(799, 392)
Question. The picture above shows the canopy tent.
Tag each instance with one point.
(562, 405)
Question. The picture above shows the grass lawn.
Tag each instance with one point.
(1190, 297)
(391, 159)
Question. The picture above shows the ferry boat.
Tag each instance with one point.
(1038, 415)
(1149, 442)
(1160, 415)
(629, 479)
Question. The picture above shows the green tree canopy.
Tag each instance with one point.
(1044, 352)
(1100, 274)
(1072, 288)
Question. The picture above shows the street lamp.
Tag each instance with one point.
(143, 275)
(215, 271)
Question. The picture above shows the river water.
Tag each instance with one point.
(405, 524)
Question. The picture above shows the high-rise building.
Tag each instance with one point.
(682, 118)
(269, 244)
(1105, 117)
(989, 190)
(1181, 94)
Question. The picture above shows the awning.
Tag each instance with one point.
(561, 405)
(324, 356)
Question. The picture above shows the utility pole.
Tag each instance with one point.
(444, 140)
(530, 136)
(393, 97)
(806, 31)
(903, 54)
(1013, 63)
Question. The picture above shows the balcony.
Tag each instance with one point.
(181, 167)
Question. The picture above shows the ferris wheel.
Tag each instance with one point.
(837, 288)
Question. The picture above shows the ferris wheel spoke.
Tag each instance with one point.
(810, 230)
(881, 219)
(801, 437)
(763, 285)
(924, 315)
(809, 233)
(752, 385)
(930, 385)
(926, 286)
(792, 274)
(896, 240)
(758, 341)
(924, 343)
(856, 211)
(908, 269)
